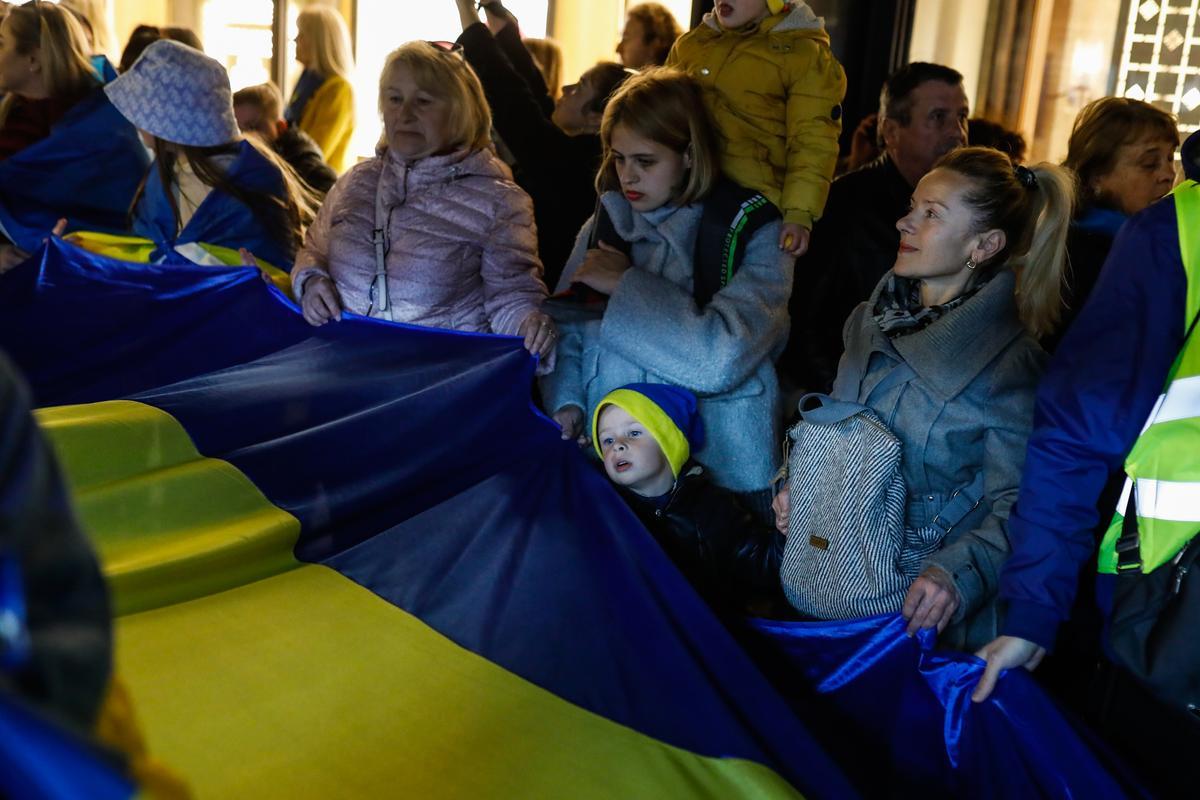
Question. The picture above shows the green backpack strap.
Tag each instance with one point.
(732, 215)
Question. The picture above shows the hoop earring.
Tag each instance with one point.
(971, 264)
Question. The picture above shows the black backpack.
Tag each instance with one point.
(1155, 625)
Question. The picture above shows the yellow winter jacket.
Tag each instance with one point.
(329, 119)
(774, 91)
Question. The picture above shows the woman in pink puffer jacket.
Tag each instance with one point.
(432, 231)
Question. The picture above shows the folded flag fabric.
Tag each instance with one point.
(354, 560)
(898, 715)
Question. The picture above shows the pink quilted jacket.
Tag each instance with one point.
(463, 249)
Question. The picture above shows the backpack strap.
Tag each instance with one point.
(1129, 544)
(960, 504)
(732, 215)
(605, 231)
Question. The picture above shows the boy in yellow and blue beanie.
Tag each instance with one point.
(644, 434)
(774, 90)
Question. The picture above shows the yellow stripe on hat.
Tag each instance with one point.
(664, 430)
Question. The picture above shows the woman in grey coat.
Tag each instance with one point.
(945, 352)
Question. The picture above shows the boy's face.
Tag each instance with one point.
(632, 458)
(736, 13)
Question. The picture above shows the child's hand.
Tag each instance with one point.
(570, 419)
(793, 239)
(781, 505)
(602, 269)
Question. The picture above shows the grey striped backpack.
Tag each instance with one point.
(849, 553)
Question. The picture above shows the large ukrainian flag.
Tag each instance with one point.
(354, 561)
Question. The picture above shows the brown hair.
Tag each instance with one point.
(665, 106)
(284, 218)
(142, 37)
(548, 57)
(330, 40)
(263, 97)
(896, 96)
(1104, 126)
(607, 77)
(446, 74)
(658, 24)
(183, 36)
(1033, 207)
(56, 33)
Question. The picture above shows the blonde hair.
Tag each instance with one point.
(329, 38)
(54, 31)
(548, 57)
(446, 75)
(1107, 124)
(1032, 205)
(665, 106)
(97, 16)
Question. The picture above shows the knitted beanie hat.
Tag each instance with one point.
(178, 94)
(775, 6)
(669, 414)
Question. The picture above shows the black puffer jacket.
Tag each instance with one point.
(729, 556)
(853, 244)
(557, 170)
(299, 150)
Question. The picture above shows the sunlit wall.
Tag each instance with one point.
(384, 25)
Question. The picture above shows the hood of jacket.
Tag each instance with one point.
(797, 17)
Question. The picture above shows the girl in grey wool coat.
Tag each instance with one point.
(658, 151)
(976, 279)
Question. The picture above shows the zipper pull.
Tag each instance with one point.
(1180, 572)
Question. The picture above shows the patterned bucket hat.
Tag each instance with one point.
(178, 94)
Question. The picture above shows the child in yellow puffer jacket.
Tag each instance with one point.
(774, 91)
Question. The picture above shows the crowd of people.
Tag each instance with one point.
(667, 235)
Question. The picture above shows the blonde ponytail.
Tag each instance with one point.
(1043, 268)
(1033, 207)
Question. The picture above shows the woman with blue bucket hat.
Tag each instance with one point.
(208, 184)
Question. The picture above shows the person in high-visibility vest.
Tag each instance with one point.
(1099, 411)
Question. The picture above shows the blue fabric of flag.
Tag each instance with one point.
(87, 170)
(419, 469)
(220, 219)
(41, 760)
(898, 716)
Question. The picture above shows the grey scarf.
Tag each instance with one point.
(899, 312)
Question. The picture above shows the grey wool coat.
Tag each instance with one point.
(968, 409)
(653, 332)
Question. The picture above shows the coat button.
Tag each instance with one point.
(704, 70)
